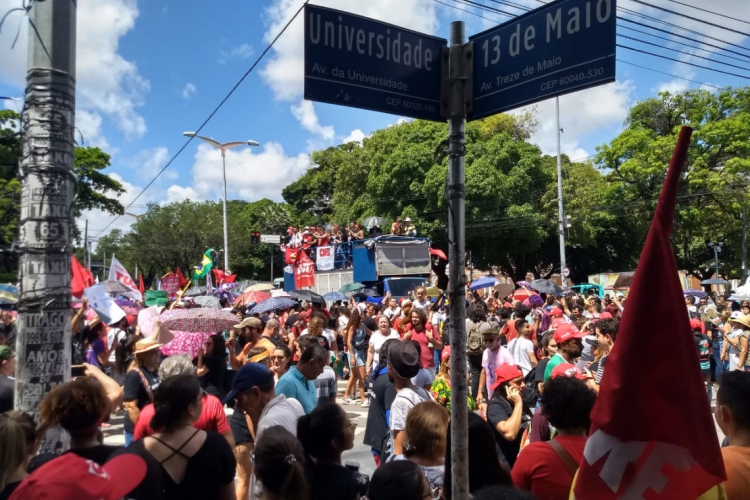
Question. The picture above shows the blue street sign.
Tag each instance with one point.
(562, 47)
(362, 63)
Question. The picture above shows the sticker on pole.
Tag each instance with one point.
(566, 272)
(362, 63)
(561, 47)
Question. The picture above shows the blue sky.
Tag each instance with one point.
(149, 70)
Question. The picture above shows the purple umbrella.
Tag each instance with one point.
(692, 292)
(128, 306)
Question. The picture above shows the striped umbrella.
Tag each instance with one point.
(334, 296)
(272, 304)
(198, 320)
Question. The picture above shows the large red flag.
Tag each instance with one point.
(78, 282)
(229, 278)
(141, 286)
(219, 276)
(652, 433)
(181, 280)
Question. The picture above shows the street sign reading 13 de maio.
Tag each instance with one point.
(363, 63)
(561, 47)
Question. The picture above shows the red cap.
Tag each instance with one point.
(70, 477)
(695, 324)
(508, 305)
(555, 311)
(605, 315)
(131, 319)
(567, 370)
(504, 373)
(567, 331)
(445, 354)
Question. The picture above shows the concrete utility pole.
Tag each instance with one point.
(744, 243)
(457, 85)
(86, 243)
(47, 184)
(560, 212)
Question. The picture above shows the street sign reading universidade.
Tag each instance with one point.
(363, 63)
(561, 47)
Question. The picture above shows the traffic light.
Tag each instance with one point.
(255, 238)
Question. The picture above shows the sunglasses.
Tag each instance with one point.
(277, 358)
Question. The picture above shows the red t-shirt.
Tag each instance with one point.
(212, 418)
(539, 470)
(426, 357)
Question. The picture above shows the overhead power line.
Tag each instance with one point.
(467, 11)
(710, 12)
(668, 74)
(683, 62)
(487, 8)
(708, 23)
(216, 109)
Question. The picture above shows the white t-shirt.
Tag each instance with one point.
(377, 339)
(279, 411)
(114, 335)
(406, 399)
(421, 305)
(519, 348)
(424, 378)
(391, 313)
(327, 334)
(343, 321)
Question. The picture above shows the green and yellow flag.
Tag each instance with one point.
(202, 269)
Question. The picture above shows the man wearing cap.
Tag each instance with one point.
(250, 337)
(606, 334)
(494, 356)
(507, 413)
(403, 364)
(7, 382)
(253, 391)
(569, 347)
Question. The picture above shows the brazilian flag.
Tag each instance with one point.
(202, 269)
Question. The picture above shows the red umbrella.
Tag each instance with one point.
(523, 294)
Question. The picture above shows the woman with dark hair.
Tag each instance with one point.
(96, 352)
(280, 359)
(280, 465)
(212, 366)
(422, 332)
(484, 465)
(325, 433)
(195, 464)
(547, 468)
(357, 338)
(399, 480)
(18, 442)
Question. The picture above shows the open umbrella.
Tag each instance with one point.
(308, 296)
(195, 291)
(334, 296)
(523, 294)
(691, 292)
(256, 297)
(714, 281)
(374, 221)
(186, 343)
(128, 306)
(523, 283)
(273, 304)
(259, 287)
(624, 280)
(208, 301)
(351, 287)
(483, 282)
(198, 320)
(280, 293)
(504, 289)
(116, 287)
(364, 293)
(546, 286)
(8, 298)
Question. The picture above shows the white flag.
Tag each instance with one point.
(324, 261)
(102, 303)
(117, 272)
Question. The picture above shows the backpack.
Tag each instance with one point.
(531, 393)
(474, 341)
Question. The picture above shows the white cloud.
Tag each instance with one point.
(581, 113)
(148, 162)
(673, 86)
(304, 112)
(284, 73)
(89, 125)
(242, 51)
(177, 193)
(356, 135)
(188, 91)
(106, 83)
(250, 175)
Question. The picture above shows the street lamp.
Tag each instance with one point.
(716, 247)
(223, 148)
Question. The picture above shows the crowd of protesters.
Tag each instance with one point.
(535, 368)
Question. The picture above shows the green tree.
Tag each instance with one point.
(714, 183)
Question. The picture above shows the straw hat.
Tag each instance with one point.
(146, 345)
(743, 320)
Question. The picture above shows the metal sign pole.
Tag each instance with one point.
(456, 86)
(47, 183)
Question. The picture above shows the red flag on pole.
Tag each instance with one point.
(79, 278)
(141, 286)
(181, 280)
(652, 433)
(229, 278)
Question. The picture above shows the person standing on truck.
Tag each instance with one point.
(397, 229)
(409, 229)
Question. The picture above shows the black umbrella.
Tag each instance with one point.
(546, 286)
(365, 292)
(308, 296)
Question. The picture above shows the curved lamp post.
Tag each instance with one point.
(223, 148)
